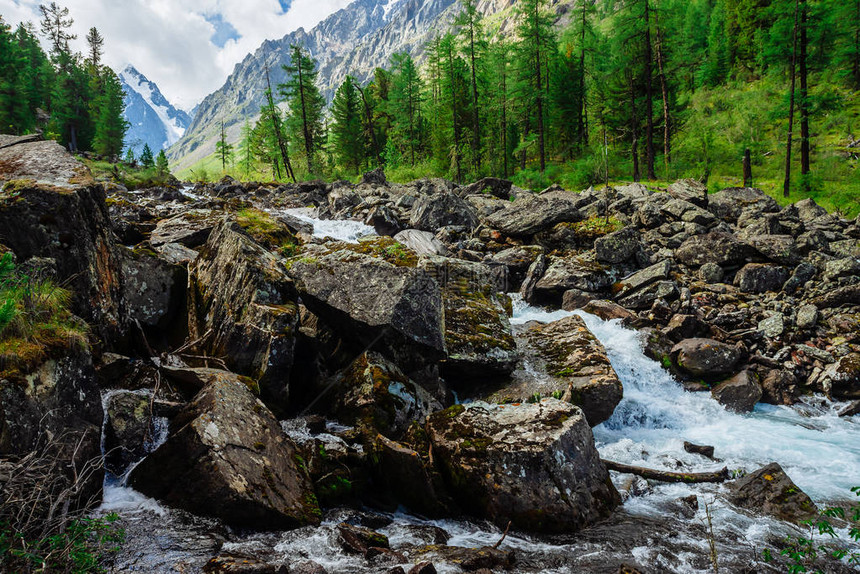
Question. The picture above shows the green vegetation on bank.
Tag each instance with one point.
(34, 319)
(627, 90)
(71, 98)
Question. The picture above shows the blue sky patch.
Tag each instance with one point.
(285, 5)
(224, 31)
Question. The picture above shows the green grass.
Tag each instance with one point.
(34, 320)
(267, 231)
(130, 177)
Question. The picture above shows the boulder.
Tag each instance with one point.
(127, 426)
(780, 249)
(478, 334)
(531, 215)
(374, 395)
(421, 242)
(711, 273)
(773, 326)
(607, 310)
(242, 307)
(682, 327)
(647, 297)
(706, 358)
(190, 229)
(383, 220)
(681, 210)
(689, 190)
(408, 478)
(808, 210)
(841, 380)
(618, 246)
(517, 260)
(375, 177)
(643, 278)
(534, 465)
(434, 211)
(153, 287)
(226, 456)
(739, 393)
(534, 274)
(729, 204)
(761, 278)
(779, 387)
(807, 317)
(367, 300)
(770, 491)
(51, 208)
(718, 247)
(570, 273)
(54, 408)
(574, 367)
(498, 188)
(838, 268)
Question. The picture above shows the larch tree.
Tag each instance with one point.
(405, 103)
(469, 22)
(347, 131)
(305, 103)
(224, 149)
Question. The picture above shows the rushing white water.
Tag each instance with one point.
(341, 230)
(819, 450)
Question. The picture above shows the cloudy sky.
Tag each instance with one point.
(187, 47)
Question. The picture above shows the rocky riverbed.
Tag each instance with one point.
(426, 377)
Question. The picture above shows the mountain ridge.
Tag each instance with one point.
(152, 119)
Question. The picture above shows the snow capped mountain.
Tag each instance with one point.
(152, 119)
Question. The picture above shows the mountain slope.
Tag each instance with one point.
(152, 119)
(354, 41)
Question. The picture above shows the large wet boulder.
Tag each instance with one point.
(154, 287)
(226, 456)
(572, 366)
(478, 334)
(739, 393)
(770, 491)
(689, 190)
(841, 380)
(127, 425)
(534, 465)
(533, 214)
(52, 208)
(191, 229)
(706, 358)
(375, 396)
(242, 307)
(718, 247)
(434, 211)
(368, 300)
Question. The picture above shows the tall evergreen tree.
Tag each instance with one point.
(347, 130)
(224, 149)
(469, 21)
(405, 103)
(305, 104)
(146, 159)
(111, 125)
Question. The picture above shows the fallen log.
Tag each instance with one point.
(667, 476)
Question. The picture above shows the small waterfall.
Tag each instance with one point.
(341, 230)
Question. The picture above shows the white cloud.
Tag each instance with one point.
(170, 41)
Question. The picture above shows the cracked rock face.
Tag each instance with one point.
(532, 464)
(228, 457)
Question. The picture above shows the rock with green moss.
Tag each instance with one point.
(50, 207)
(369, 300)
(227, 457)
(571, 365)
(771, 492)
(534, 465)
(478, 333)
(127, 424)
(243, 307)
(374, 395)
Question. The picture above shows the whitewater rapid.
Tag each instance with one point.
(819, 450)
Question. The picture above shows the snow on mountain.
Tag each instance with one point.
(152, 119)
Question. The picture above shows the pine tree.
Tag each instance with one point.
(95, 41)
(305, 104)
(405, 104)
(246, 149)
(537, 41)
(162, 166)
(469, 21)
(347, 130)
(55, 27)
(146, 159)
(111, 125)
(224, 149)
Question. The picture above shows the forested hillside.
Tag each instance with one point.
(70, 97)
(633, 90)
